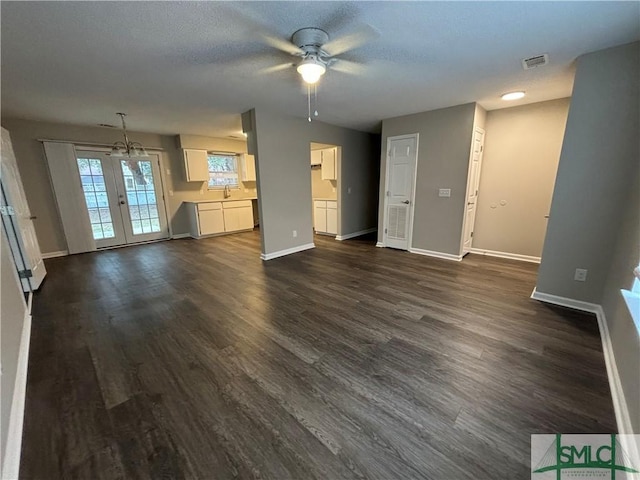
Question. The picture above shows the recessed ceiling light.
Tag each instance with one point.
(512, 96)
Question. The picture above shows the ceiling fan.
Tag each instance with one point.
(318, 53)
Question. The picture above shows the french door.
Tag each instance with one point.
(123, 197)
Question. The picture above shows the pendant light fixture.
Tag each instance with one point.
(127, 148)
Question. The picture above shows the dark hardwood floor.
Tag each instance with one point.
(195, 359)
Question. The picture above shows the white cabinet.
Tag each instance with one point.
(329, 164)
(205, 218)
(248, 163)
(210, 218)
(316, 157)
(332, 218)
(320, 215)
(238, 215)
(325, 216)
(196, 167)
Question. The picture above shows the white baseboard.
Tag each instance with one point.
(380, 244)
(288, 251)
(356, 234)
(623, 420)
(566, 302)
(430, 253)
(11, 461)
(178, 236)
(510, 256)
(61, 253)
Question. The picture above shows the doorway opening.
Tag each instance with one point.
(123, 197)
(325, 172)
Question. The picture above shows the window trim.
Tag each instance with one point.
(236, 156)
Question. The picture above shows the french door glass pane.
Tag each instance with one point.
(95, 195)
(141, 196)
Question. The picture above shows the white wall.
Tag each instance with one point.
(521, 154)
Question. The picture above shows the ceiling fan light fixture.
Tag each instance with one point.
(311, 69)
(512, 95)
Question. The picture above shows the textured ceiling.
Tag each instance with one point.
(193, 67)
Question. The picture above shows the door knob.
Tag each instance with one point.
(122, 202)
(32, 217)
(406, 201)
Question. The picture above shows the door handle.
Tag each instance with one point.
(32, 217)
(406, 202)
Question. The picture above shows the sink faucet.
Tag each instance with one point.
(227, 191)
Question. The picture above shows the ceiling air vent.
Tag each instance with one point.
(537, 61)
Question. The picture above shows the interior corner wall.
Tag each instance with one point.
(284, 181)
(599, 156)
(444, 147)
(521, 154)
(622, 329)
(34, 172)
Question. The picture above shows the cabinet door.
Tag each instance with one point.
(196, 165)
(329, 164)
(245, 218)
(320, 219)
(231, 219)
(332, 218)
(211, 221)
(316, 157)
(248, 168)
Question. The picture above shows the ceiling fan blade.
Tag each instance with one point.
(363, 34)
(259, 30)
(347, 66)
(275, 68)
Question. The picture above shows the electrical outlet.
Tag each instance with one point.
(580, 275)
(349, 190)
(444, 192)
(295, 233)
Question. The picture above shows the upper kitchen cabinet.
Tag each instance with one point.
(329, 170)
(248, 167)
(196, 167)
(316, 157)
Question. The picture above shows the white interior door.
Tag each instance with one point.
(473, 181)
(400, 181)
(24, 244)
(123, 198)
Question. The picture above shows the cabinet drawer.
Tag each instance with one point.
(236, 204)
(203, 207)
(319, 204)
(332, 205)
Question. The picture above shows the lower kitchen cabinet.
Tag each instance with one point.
(215, 218)
(238, 215)
(325, 216)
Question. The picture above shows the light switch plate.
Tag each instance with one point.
(444, 192)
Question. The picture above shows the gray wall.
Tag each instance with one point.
(282, 148)
(599, 155)
(443, 161)
(596, 210)
(12, 313)
(35, 175)
(624, 334)
(521, 154)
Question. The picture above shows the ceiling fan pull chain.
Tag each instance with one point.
(315, 99)
(309, 100)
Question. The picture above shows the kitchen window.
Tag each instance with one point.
(223, 170)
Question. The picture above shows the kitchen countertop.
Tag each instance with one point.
(222, 200)
(326, 199)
